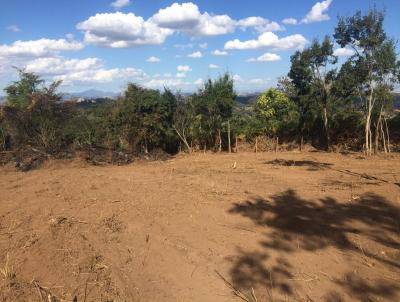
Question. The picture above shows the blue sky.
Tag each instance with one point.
(105, 44)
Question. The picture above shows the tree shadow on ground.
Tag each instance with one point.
(310, 164)
(293, 224)
(317, 166)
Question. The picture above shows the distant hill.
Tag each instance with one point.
(90, 94)
(246, 99)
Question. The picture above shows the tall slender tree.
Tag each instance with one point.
(374, 58)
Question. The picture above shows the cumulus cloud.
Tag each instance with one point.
(318, 12)
(237, 78)
(267, 57)
(119, 30)
(195, 55)
(289, 21)
(269, 40)
(13, 28)
(186, 17)
(213, 66)
(183, 68)
(153, 60)
(101, 75)
(38, 48)
(219, 52)
(343, 52)
(181, 75)
(199, 81)
(60, 65)
(160, 83)
(89, 70)
(260, 24)
(120, 3)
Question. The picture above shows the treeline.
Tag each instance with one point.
(318, 102)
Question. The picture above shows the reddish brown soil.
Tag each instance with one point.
(285, 226)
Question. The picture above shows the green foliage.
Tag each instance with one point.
(19, 93)
(276, 111)
(35, 116)
(213, 106)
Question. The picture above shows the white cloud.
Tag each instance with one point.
(153, 60)
(343, 52)
(101, 75)
(203, 45)
(199, 82)
(186, 17)
(269, 40)
(317, 12)
(38, 48)
(289, 21)
(213, 66)
(267, 57)
(119, 30)
(219, 52)
(89, 70)
(120, 3)
(258, 81)
(167, 75)
(161, 83)
(13, 28)
(259, 23)
(60, 65)
(181, 75)
(183, 68)
(237, 78)
(195, 55)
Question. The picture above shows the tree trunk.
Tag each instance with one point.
(387, 135)
(276, 144)
(327, 140)
(256, 147)
(182, 136)
(229, 137)
(219, 141)
(368, 136)
(236, 144)
(382, 133)
(301, 143)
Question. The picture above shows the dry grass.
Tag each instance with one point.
(7, 271)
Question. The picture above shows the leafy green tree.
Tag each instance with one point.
(374, 59)
(320, 56)
(36, 116)
(300, 75)
(20, 93)
(276, 110)
(213, 105)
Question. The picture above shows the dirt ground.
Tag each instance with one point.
(206, 227)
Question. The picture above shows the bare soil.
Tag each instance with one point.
(205, 227)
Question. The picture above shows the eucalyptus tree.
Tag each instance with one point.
(374, 59)
(321, 58)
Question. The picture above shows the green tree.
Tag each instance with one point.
(20, 93)
(374, 59)
(276, 111)
(320, 56)
(213, 106)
